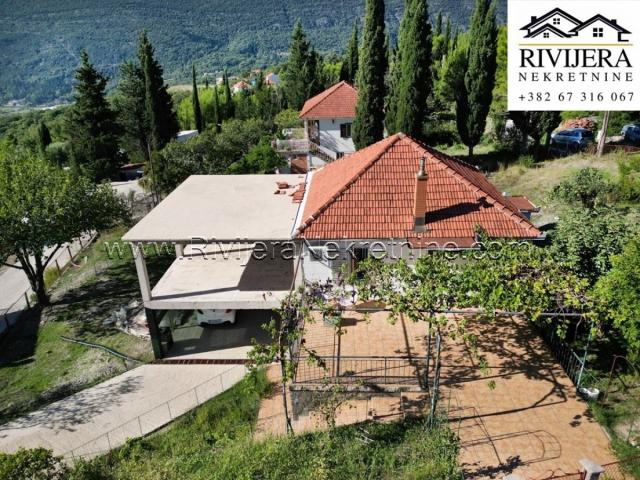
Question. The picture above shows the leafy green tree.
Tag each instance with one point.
(349, 68)
(586, 239)
(44, 137)
(548, 123)
(288, 119)
(91, 125)
(160, 116)
(195, 101)
(414, 76)
(261, 159)
(474, 102)
(130, 104)
(368, 126)
(42, 207)
(618, 293)
(586, 188)
(208, 153)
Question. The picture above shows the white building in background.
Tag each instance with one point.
(328, 119)
(185, 135)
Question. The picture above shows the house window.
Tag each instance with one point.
(345, 130)
(598, 32)
(545, 34)
(556, 21)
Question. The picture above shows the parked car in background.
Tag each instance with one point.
(573, 139)
(631, 133)
(215, 317)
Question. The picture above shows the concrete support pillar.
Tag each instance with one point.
(143, 274)
(592, 469)
(179, 250)
(154, 332)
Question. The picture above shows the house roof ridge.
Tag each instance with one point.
(390, 141)
(601, 17)
(317, 100)
(549, 14)
(504, 205)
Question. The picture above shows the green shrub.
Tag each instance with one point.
(587, 187)
(35, 464)
(629, 185)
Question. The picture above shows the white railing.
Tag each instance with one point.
(291, 146)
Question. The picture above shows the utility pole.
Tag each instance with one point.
(603, 133)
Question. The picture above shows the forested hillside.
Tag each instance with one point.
(40, 40)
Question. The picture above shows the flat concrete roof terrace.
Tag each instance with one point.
(223, 207)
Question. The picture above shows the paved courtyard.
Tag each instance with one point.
(519, 415)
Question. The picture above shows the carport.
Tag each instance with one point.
(232, 238)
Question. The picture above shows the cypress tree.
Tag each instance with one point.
(160, 116)
(349, 68)
(447, 35)
(195, 101)
(130, 104)
(91, 125)
(44, 137)
(479, 80)
(299, 73)
(368, 126)
(217, 114)
(229, 107)
(438, 29)
(412, 72)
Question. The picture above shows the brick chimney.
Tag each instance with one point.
(420, 197)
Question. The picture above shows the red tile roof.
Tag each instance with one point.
(369, 195)
(523, 204)
(338, 101)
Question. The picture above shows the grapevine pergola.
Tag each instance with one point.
(502, 279)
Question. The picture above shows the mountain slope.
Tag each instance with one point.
(40, 39)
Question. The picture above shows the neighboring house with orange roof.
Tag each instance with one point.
(395, 199)
(328, 118)
(240, 86)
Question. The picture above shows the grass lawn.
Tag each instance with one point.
(38, 367)
(215, 441)
(618, 414)
(536, 182)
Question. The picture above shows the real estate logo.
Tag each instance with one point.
(573, 55)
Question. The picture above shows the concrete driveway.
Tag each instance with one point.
(133, 404)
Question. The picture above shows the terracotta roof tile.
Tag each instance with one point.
(523, 204)
(369, 195)
(338, 101)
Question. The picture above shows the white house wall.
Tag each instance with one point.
(330, 135)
